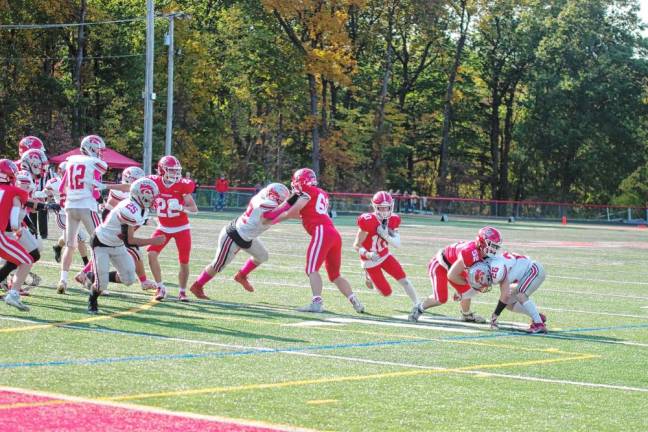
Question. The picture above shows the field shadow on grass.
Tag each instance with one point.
(156, 319)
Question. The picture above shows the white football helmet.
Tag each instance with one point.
(25, 181)
(498, 269)
(144, 191)
(479, 276)
(93, 145)
(130, 174)
(34, 161)
(60, 170)
(275, 192)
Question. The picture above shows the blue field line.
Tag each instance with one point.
(555, 334)
(187, 356)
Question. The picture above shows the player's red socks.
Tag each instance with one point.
(203, 278)
(248, 267)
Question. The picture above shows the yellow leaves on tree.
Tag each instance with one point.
(317, 28)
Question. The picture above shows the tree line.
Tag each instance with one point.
(501, 99)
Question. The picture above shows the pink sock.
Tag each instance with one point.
(87, 267)
(141, 278)
(203, 278)
(248, 267)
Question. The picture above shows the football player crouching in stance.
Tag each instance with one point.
(518, 277)
(243, 233)
(376, 232)
(116, 233)
(450, 266)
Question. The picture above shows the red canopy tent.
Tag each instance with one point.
(111, 157)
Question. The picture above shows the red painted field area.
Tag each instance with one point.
(25, 412)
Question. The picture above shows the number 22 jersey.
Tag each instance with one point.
(170, 220)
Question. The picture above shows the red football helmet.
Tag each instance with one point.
(30, 142)
(93, 145)
(169, 169)
(489, 241)
(383, 204)
(35, 162)
(303, 177)
(8, 171)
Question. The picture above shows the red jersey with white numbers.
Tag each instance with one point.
(7, 194)
(467, 250)
(170, 220)
(369, 223)
(315, 212)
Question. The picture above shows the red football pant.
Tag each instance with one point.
(13, 252)
(392, 267)
(325, 247)
(182, 241)
(439, 278)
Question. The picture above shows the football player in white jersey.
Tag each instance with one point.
(116, 233)
(518, 277)
(243, 233)
(80, 185)
(52, 190)
(129, 176)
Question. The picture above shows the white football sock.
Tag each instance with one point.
(409, 290)
(517, 307)
(64, 275)
(532, 310)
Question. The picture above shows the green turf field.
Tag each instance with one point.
(252, 356)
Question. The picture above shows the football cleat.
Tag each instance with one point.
(315, 307)
(415, 314)
(537, 328)
(13, 299)
(198, 291)
(357, 304)
(161, 293)
(62, 286)
(472, 317)
(244, 281)
(182, 296)
(543, 317)
(57, 253)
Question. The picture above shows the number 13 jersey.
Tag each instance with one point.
(171, 220)
(315, 212)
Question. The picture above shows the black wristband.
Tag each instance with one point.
(500, 307)
(293, 199)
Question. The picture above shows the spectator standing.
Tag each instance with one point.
(407, 202)
(222, 186)
(415, 202)
(397, 197)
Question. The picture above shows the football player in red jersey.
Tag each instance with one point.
(376, 232)
(173, 204)
(12, 199)
(326, 244)
(450, 264)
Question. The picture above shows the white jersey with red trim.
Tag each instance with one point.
(515, 265)
(52, 187)
(78, 181)
(126, 212)
(249, 225)
(117, 196)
